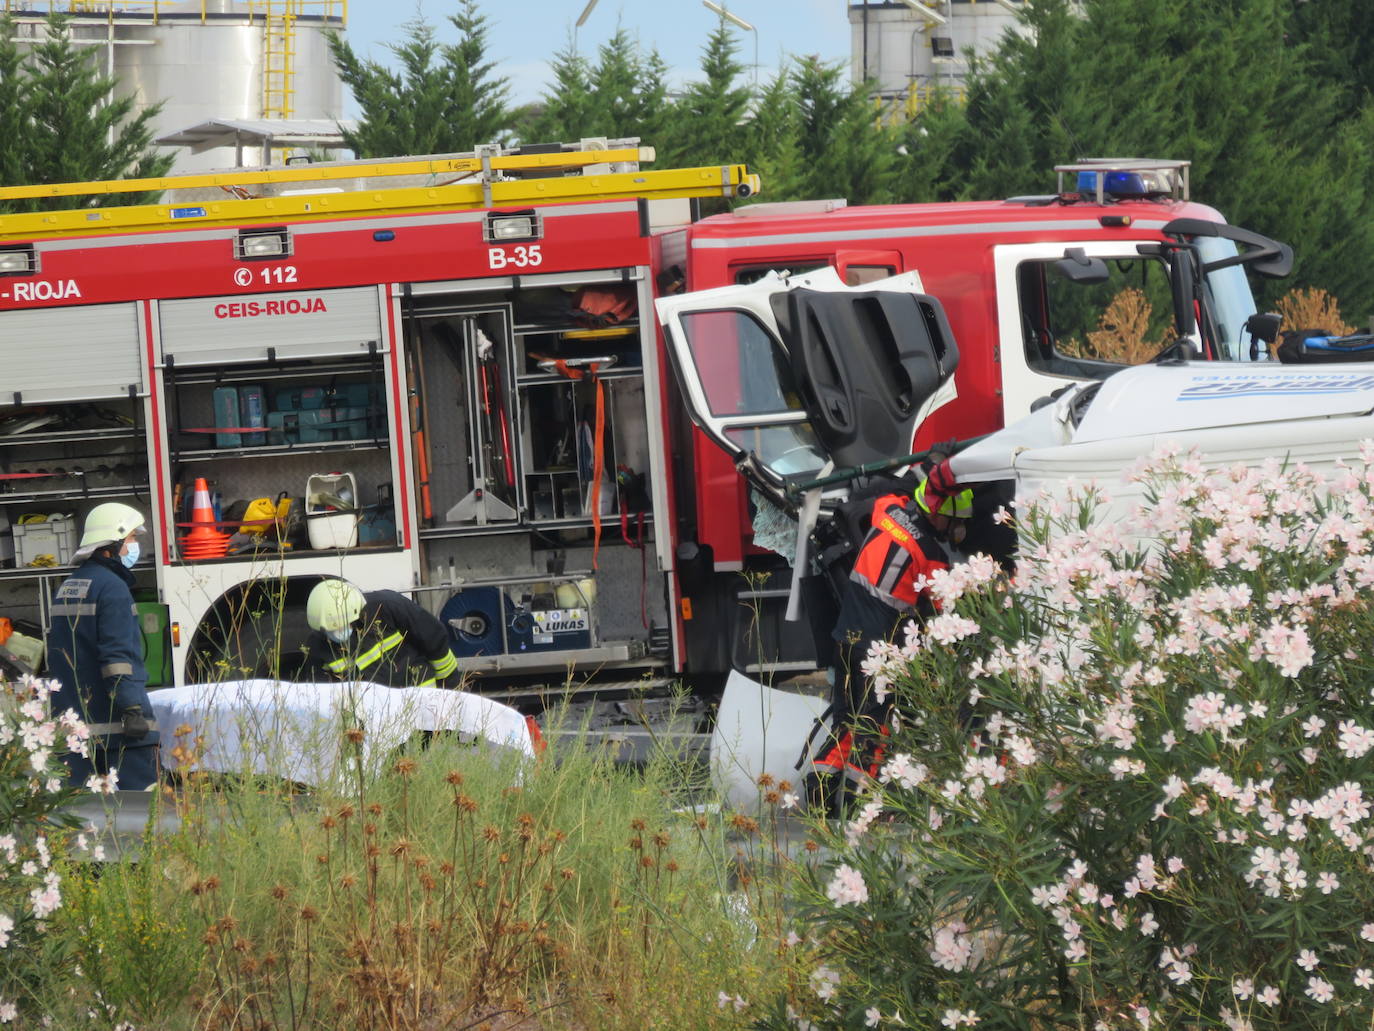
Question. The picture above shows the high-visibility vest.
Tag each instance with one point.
(897, 551)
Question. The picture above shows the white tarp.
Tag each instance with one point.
(761, 730)
(294, 731)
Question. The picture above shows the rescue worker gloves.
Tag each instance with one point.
(108, 524)
(133, 724)
(333, 606)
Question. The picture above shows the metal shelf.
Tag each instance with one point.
(532, 329)
(528, 379)
(76, 494)
(38, 572)
(436, 533)
(279, 450)
(261, 370)
(72, 436)
(270, 555)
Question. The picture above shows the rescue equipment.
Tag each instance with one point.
(203, 540)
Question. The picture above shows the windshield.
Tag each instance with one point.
(1232, 302)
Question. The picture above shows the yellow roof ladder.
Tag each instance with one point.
(279, 58)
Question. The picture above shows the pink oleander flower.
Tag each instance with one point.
(951, 950)
(1319, 990)
(825, 982)
(1288, 648)
(1353, 740)
(847, 886)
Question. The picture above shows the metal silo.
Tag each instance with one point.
(209, 59)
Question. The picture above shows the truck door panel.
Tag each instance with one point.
(804, 370)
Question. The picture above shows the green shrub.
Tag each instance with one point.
(1131, 786)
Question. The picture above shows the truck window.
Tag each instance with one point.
(1092, 329)
(750, 387)
(742, 369)
(854, 275)
(858, 275)
(746, 274)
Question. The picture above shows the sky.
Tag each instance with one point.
(523, 35)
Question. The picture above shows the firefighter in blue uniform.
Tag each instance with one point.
(381, 636)
(95, 650)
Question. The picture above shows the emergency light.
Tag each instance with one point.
(1103, 179)
(1114, 184)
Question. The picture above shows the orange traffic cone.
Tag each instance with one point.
(203, 540)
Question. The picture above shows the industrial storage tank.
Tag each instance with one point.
(209, 59)
(913, 49)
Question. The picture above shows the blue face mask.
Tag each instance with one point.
(339, 636)
(131, 556)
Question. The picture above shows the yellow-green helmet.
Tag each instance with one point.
(108, 524)
(333, 605)
(956, 506)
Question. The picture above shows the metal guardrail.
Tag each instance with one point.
(257, 10)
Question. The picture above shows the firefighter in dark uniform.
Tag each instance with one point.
(380, 636)
(905, 543)
(95, 650)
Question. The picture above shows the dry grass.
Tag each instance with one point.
(1122, 334)
(1312, 308)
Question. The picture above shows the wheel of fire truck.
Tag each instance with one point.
(253, 630)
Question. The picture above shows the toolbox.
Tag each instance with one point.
(50, 542)
(226, 402)
(317, 425)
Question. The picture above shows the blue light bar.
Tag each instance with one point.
(1115, 184)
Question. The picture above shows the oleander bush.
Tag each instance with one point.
(1130, 786)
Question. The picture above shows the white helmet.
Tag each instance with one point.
(333, 605)
(108, 524)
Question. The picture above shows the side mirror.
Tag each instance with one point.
(1181, 283)
(1262, 327)
(1077, 267)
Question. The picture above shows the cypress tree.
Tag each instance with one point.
(443, 99)
(1231, 87)
(14, 105)
(844, 151)
(478, 100)
(708, 119)
(566, 109)
(773, 143)
(623, 94)
(71, 127)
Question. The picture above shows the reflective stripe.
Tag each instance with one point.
(444, 666)
(68, 608)
(115, 728)
(369, 657)
(426, 683)
(117, 669)
(857, 235)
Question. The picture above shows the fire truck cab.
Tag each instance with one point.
(1116, 267)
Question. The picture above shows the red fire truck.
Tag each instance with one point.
(444, 376)
(1039, 292)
